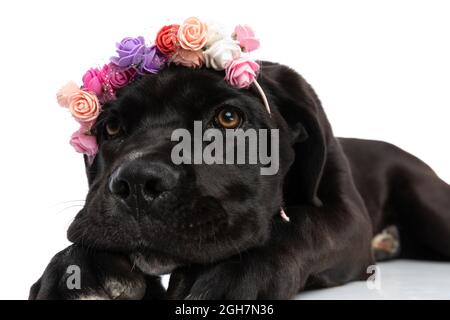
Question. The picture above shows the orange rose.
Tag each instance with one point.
(192, 34)
(84, 106)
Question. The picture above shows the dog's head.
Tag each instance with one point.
(141, 202)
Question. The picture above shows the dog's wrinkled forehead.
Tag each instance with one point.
(179, 96)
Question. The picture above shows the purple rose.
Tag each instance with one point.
(153, 61)
(130, 52)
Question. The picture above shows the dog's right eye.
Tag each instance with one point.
(112, 128)
(228, 118)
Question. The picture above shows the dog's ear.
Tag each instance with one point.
(294, 99)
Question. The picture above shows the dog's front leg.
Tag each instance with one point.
(77, 273)
(305, 251)
(273, 271)
(255, 274)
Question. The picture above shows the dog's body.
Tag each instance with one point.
(217, 229)
(399, 189)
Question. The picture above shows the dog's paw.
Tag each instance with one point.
(386, 245)
(224, 281)
(77, 274)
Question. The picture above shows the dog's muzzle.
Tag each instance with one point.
(138, 182)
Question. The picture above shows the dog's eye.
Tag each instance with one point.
(228, 118)
(112, 128)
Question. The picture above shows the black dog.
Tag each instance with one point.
(217, 228)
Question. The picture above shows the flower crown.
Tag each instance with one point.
(192, 44)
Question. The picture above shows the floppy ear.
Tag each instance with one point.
(297, 103)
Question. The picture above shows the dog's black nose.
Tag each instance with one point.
(142, 180)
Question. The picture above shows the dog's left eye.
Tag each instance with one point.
(112, 128)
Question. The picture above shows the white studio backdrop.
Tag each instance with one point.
(381, 69)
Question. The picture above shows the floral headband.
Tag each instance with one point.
(192, 44)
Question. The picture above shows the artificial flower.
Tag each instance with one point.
(83, 142)
(221, 53)
(84, 107)
(153, 60)
(246, 38)
(93, 82)
(166, 39)
(118, 77)
(188, 58)
(192, 34)
(65, 92)
(241, 72)
(130, 51)
(213, 35)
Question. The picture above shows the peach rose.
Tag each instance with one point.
(65, 92)
(84, 106)
(187, 58)
(192, 34)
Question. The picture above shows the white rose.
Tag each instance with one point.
(213, 35)
(221, 53)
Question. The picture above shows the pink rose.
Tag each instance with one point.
(83, 142)
(84, 106)
(246, 38)
(65, 92)
(93, 82)
(241, 72)
(192, 34)
(117, 77)
(187, 58)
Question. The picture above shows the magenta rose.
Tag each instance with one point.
(93, 82)
(117, 77)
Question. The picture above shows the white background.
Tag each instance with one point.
(381, 68)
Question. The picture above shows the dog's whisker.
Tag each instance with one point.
(69, 207)
(66, 202)
(134, 263)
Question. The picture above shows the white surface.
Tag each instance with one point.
(380, 67)
(400, 279)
